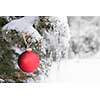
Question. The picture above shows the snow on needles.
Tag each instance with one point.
(25, 25)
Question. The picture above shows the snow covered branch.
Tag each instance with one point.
(24, 25)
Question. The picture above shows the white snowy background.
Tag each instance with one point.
(87, 70)
(79, 69)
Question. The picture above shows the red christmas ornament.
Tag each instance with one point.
(28, 61)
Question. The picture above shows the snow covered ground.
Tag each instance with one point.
(84, 70)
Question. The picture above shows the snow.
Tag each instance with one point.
(1, 80)
(76, 70)
(30, 80)
(24, 25)
(56, 40)
(17, 50)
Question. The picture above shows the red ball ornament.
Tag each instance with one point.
(28, 61)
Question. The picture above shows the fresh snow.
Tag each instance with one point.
(76, 70)
(24, 25)
(17, 50)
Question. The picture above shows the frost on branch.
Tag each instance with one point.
(55, 32)
(55, 36)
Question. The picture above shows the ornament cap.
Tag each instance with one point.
(29, 49)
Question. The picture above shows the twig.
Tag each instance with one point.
(23, 34)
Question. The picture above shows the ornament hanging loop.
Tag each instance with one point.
(25, 42)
